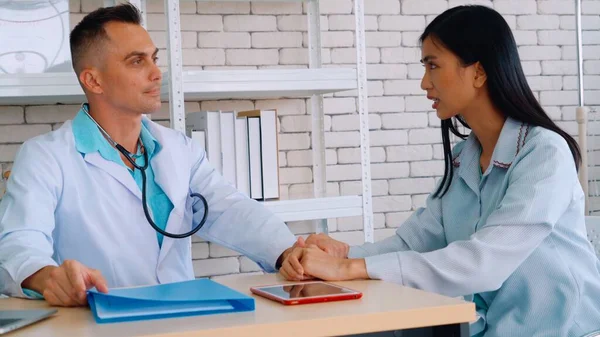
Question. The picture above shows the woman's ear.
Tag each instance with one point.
(480, 75)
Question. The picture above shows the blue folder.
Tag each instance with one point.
(188, 298)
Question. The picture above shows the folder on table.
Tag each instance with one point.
(188, 298)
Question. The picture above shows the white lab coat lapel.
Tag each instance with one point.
(120, 173)
(172, 175)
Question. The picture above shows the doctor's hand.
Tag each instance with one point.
(304, 263)
(67, 284)
(327, 244)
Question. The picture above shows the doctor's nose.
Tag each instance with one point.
(156, 74)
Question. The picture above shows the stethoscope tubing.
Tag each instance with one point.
(142, 169)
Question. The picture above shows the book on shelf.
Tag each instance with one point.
(228, 163)
(242, 146)
(255, 157)
(242, 157)
(263, 153)
(209, 122)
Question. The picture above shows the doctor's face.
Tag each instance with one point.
(448, 83)
(129, 74)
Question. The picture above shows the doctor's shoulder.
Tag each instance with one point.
(47, 154)
(51, 143)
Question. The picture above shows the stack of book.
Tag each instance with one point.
(242, 146)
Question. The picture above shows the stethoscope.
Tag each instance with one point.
(142, 169)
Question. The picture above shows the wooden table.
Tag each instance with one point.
(384, 307)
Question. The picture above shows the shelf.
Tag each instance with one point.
(264, 83)
(45, 88)
(52, 88)
(316, 208)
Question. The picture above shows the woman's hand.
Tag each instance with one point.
(308, 262)
(327, 244)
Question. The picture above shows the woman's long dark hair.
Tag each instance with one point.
(479, 34)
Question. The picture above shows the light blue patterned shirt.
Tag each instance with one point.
(512, 239)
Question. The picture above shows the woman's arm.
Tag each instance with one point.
(540, 190)
(422, 232)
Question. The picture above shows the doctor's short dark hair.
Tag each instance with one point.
(90, 32)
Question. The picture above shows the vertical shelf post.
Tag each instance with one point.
(176, 99)
(363, 112)
(316, 108)
(581, 112)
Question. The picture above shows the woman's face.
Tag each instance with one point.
(450, 85)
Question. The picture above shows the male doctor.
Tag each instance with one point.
(72, 217)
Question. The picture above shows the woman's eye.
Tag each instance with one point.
(155, 60)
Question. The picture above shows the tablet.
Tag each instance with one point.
(306, 292)
(14, 319)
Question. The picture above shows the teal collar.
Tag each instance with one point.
(89, 139)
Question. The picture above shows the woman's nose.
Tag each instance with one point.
(425, 82)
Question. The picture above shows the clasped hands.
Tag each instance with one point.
(320, 256)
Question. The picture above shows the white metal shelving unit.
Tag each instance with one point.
(52, 88)
(179, 86)
(264, 83)
(312, 82)
(45, 88)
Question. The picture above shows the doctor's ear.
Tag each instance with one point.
(480, 75)
(90, 79)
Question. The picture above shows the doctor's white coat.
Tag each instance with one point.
(61, 204)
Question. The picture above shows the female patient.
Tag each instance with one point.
(505, 226)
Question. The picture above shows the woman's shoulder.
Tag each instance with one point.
(543, 147)
(541, 139)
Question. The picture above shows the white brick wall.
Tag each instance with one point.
(217, 7)
(201, 23)
(298, 23)
(405, 138)
(12, 115)
(224, 40)
(249, 23)
(277, 40)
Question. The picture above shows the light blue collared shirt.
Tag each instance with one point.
(89, 139)
(512, 239)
